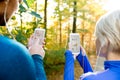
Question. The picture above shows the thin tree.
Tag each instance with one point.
(74, 16)
(60, 23)
(45, 17)
(83, 28)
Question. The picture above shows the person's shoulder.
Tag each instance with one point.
(15, 56)
(12, 45)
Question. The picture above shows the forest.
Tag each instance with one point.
(59, 18)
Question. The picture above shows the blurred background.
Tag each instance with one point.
(59, 18)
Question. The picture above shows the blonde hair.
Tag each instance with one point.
(108, 30)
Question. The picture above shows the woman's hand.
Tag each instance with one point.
(34, 46)
(82, 51)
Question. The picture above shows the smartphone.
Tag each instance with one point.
(74, 43)
(40, 34)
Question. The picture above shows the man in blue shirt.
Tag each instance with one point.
(16, 63)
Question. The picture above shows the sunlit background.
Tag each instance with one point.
(107, 5)
(111, 5)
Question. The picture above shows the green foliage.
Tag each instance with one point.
(54, 60)
(26, 2)
(33, 13)
(22, 36)
(24, 9)
(82, 31)
(4, 31)
(30, 2)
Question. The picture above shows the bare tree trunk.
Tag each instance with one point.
(89, 48)
(83, 28)
(36, 11)
(45, 17)
(74, 16)
(60, 29)
(21, 22)
(60, 23)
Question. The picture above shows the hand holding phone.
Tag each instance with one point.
(35, 44)
(75, 43)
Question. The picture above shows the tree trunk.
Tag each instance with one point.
(21, 22)
(36, 25)
(89, 48)
(60, 28)
(74, 16)
(45, 17)
(83, 28)
(60, 23)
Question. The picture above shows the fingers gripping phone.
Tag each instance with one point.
(40, 34)
(74, 43)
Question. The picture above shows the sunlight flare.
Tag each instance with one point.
(112, 5)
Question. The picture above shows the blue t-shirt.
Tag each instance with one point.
(16, 62)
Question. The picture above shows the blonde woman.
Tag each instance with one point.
(107, 34)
